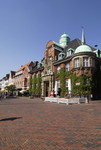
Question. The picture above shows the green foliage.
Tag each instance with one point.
(35, 85)
(57, 75)
(38, 87)
(68, 74)
(81, 85)
(10, 87)
(62, 82)
(30, 84)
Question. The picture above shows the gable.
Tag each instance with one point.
(49, 44)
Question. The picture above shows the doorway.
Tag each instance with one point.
(46, 88)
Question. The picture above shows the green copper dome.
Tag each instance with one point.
(64, 35)
(83, 48)
(64, 40)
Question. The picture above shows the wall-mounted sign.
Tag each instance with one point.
(77, 83)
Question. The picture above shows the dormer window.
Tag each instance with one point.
(61, 55)
(69, 52)
(76, 63)
(38, 65)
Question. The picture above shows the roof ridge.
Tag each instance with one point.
(23, 66)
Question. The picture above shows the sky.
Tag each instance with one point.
(27, 25)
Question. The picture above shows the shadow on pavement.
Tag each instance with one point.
(10, 119)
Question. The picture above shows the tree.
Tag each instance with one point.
(10, 89)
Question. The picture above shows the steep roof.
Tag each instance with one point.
(23, 67)
(73, 44)
(76, 43)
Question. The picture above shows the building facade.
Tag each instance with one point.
(22, 77)
(7, 80)
(70, 68)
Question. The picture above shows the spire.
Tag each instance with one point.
(83, 36)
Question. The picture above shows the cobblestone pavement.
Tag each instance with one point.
(29, 124)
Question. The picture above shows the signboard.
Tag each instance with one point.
(78, 83)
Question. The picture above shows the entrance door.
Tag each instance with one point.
(47, 89)
(25, 83)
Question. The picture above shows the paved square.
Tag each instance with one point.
(29, 124)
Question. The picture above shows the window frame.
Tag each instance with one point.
(67, 67)
(76, 62)
(66, 83)
(58, 69)
(58, 83)
(85, 62)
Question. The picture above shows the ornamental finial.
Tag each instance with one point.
(83, 36)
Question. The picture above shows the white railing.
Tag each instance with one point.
(66, 101)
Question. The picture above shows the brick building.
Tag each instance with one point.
(71, 57)
(22, 77)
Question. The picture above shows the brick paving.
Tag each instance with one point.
(30, 124)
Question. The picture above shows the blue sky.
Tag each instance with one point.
(27, 25)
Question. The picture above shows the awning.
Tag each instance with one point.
(23, 91)
(3, 91)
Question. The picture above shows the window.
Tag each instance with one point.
(68, 53)
(61, 55)
(67, 67)
(76, 62)
(49, 71)
(85, 61)
(58, 69)
(66, 82)
(37, 75)
(58, 83)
